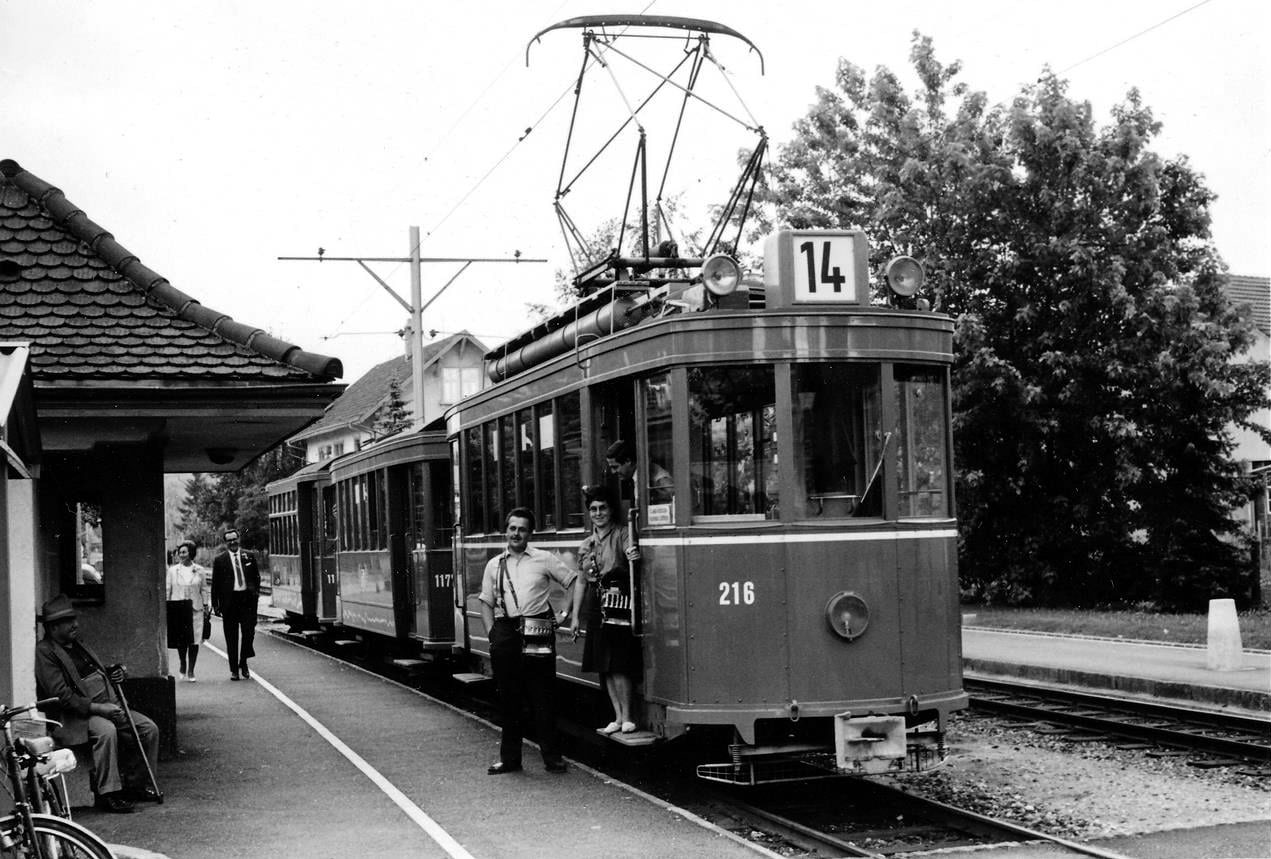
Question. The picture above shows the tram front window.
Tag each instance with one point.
(921, 472)
(733, 441)
(838, 435)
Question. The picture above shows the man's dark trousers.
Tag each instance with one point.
(519, 679)
(239, 620)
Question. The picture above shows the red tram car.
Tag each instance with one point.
(799, 582)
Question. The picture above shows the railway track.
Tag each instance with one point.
(870, 818)
(1209, 738)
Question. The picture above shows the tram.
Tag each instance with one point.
(797, 591)
(302, 543)
(393, 553)
(799, 578)
(363, 542)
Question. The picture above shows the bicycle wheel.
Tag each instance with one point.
(57, 839)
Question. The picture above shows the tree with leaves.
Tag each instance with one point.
(235, 500)
(392, 416)
(1094, 381)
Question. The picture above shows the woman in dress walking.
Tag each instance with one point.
(187, 581)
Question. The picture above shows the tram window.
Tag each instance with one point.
(732, 441)
(476, 484)
(838, 435)
(656, 391)
(490, 456)
(507, 475)
(569, 417)
(546, 466)
(443, 523)
(456, 481)
(342, 516)
(418, 506)
(525, 460)
(922, 473)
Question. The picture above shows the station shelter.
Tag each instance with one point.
(111, 377)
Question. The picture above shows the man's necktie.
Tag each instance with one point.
(239, 584)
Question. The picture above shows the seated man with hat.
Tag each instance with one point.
(89, 711)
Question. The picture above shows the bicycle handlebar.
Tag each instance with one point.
(7, 714)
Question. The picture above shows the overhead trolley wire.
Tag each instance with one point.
(1132, 38)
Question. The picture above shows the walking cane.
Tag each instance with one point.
(136, 735)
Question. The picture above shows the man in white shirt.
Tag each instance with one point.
(514, 588)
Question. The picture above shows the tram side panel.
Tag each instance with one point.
(835, 667)
(931, 620)
(366, 592)
(736, 645)
(665, 634)
(288, 576)
(433, 577)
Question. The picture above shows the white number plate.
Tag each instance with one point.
(825, 269)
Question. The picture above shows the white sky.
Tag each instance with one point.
(212, 138)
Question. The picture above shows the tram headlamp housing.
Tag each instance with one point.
(721, 274)
(904, 275)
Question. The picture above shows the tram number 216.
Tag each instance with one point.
(736, 593)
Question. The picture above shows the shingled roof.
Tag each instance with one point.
(93, 312)
(1255, 292)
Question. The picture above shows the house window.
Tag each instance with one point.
(459, 382)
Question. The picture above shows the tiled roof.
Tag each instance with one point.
(1254, 291)
(361, 399)
(93, 312)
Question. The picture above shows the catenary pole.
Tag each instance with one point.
(416, 306)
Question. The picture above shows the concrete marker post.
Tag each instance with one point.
(1225, 652)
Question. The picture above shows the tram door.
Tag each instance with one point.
(432, 551)
(400, 557)
(323, 558)
(613, 419)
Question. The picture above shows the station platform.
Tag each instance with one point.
(1171, 672)
(319, 759)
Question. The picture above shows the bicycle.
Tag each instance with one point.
(28, 832)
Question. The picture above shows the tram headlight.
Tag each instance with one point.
(721, 274)
(904, 275)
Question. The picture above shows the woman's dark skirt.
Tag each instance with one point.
(610, 649)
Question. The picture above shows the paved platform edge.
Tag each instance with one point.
(1257, 703)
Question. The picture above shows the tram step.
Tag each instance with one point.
(311, 633)
(347, 642)
(409, 664)
(635, 738)
(469, 677)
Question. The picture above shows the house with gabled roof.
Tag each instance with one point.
(131, 378)
(1251, 449)
(452, 369)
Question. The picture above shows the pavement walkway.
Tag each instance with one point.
(353, 765)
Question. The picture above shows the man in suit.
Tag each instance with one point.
(87, 708)
(235, 590)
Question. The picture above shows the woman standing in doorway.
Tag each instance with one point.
(188, 581)
(605, 557)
